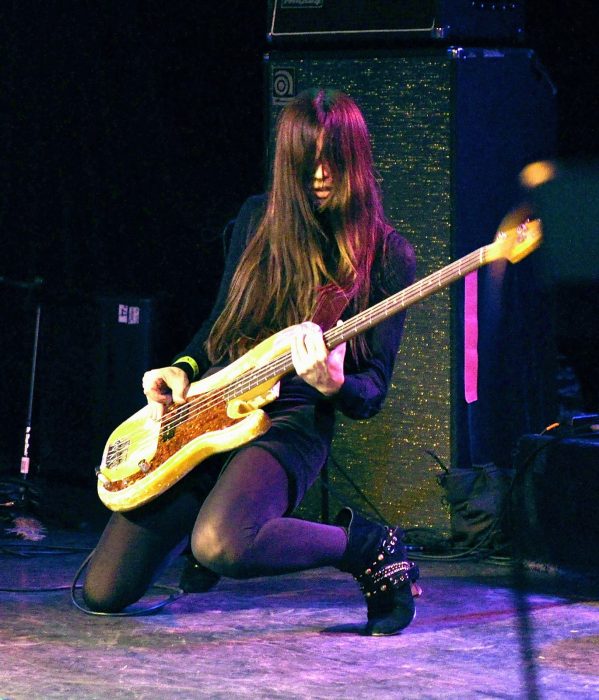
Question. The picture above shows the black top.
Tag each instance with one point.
(367, 380)
(302, 419)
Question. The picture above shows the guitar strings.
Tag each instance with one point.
(376, 313)
(254, 377)
(200, 404)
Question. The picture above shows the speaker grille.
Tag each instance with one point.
(406, 102)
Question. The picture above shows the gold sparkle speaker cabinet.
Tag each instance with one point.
(451, 129)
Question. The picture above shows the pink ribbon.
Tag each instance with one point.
(471, 337)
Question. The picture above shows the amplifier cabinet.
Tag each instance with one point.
(451, 131)
(318, 21)
(555, 519)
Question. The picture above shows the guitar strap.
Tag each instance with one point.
(330, 305)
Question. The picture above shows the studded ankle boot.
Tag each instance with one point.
(376, 558)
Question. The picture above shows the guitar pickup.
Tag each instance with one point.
(173, 418)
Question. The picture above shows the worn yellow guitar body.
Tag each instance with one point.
(143, 457)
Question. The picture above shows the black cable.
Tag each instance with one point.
(342, 498)
(381, 517)
(357, 489)
(412, 548)
(175, 594)
(49, 589)
(569, 430)
(467, 553)
(371, 505)
(20, 549)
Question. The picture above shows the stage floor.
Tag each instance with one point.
(476, 635)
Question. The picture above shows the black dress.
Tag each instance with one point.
(302, 418)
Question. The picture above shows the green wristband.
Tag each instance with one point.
(191, 362)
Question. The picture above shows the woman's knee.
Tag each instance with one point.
(110, 591)
(221, 551)
(103, 599)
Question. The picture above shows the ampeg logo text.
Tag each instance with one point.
(283, 85)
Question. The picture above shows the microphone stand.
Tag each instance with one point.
(25, 460)
(26, 526)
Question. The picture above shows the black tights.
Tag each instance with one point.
(239, 532)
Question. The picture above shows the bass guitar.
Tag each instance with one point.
(143, 458)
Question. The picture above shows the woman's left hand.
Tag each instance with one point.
(314, 363)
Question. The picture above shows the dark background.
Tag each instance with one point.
(131, 132)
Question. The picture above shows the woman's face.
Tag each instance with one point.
(322, 183)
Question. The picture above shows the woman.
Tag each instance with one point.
(317, 247)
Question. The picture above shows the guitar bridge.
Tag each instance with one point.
(117, 453)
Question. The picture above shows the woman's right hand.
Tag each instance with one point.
(164, 386)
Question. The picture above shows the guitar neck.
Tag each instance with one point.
(407, 297)
(368, 318)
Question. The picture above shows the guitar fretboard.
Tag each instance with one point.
(365, 320)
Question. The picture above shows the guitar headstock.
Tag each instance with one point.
(517, 242)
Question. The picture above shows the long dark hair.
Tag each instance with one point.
(298, 247)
